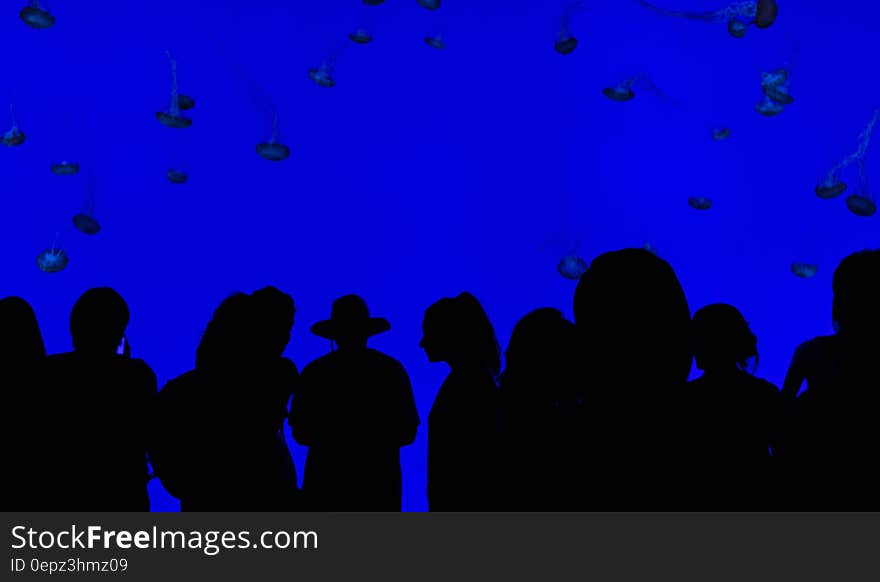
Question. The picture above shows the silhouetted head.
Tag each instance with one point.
(633, 318)
(228, 340)
(98, 321)
(456, 330)
(274, 316)
(856, 285)
(722, 339)
(540, 357)
(350, 323)
(21, 343)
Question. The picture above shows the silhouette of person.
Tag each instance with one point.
(217, 443)
(833, 436)
(99, 403)
(633, 325)
(463, 426)
(355, 409)
(26, 447)
(738, 416)
(541, 414)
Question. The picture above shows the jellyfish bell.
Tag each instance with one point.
(176, 176)
(619, 93)
(766, 13)
(861, 205)
(373, 2)
(37, 17)
(572, 267)
(185, 102)
(429, 4)
(171, 120)
(274, 152)
(322, 76)
(86, 224)
(12, 138)
(721, 133)
(804, 270)
(778, 93)
(52, 260)
(737, 27)
(830, 189)
(699, 203)
(436, 42)
(769, 108)
(361, 36)
(565, 44)
(65, 168)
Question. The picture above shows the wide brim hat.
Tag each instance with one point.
(350, 317)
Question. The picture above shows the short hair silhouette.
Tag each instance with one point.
(21, 343)
(274, 313)
(856, 286)
(98, 320)
(722, 338)
(457, 330)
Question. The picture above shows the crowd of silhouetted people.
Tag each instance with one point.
(595, 414)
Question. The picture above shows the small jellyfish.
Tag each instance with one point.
(861, 205)
(830, 189)
(737, 27)
(185, 102)
(429, 4)
(52, 260)
(738, 15)
(361, 36)
(699, 203)
(323, 76)
(572, 267)
(176, 176)
(373, 2)
(833, 186)
(36, 17)
(65, 168)
(86, 223)
(804, 270)
(766, 12)
(566, 42)
(273, 150)
(721, 133)
(769, 108)
(436, 42)
(623, 91)
(14, 137)
(775, 86)
(172, 117)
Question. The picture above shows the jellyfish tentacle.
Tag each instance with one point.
(859, 154)
(175, 106)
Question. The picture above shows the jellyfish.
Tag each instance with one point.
(738, 16)
(804, 270)
(775, 86)
(361, 36)
(86, 223)
(566, 42)
(769, 108)
(861, 203)
(65, 168)
(572, 266)
(373, 2)
(700, 203)
(428, 4)
(176, 176)
(13, 137)
(53, 259)
(833, 185)
(323, 76)
(173, 118)
(623, 91)
(273, 150)
(721, 133)
(36, 17)
(436, 41)
(765, 13)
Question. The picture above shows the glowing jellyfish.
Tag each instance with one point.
(65, 168)
(273, 150)
(172, 117)
(86, 223)
(566, 42)
(572, 267)
(429, 4)
(361, 36)
(769, 108)
(14, 137)
(624, 90)
(436, 42)
(37, 17)
(721, 133)
(766, 13)
(804, 270)
(738, 16)
(833, 186)
(775, 86)
(176, 176)
(323, 75)
(699, 203)
(52, 260)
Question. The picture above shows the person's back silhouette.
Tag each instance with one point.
(833, 438)
(541, 415)
(26, 442)
(99, 402)
(463, 427)
(737, 416)
(354, 410)
(633, 324)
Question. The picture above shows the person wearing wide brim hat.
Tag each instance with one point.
(354, 408)
(350, 319)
